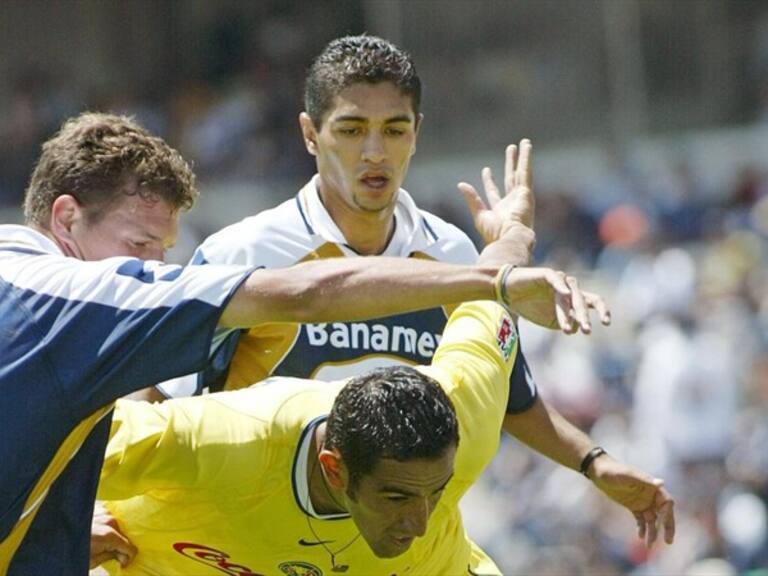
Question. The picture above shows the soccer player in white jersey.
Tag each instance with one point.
(84, 320)
(361, 120)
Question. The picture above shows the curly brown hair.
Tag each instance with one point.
(98, 157)
(352, 59)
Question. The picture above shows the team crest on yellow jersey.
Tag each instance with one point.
(299, 569)
(506, 337)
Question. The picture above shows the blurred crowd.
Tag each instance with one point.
(677, 386)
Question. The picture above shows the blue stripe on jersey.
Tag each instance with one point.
(310, 230)
(429, 229)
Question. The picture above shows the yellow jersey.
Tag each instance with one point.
(217, 484)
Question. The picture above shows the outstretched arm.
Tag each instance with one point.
(348, 289)
(545, 430)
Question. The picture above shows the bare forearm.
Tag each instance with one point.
(354, 289)
(514, 247)
(546, 431)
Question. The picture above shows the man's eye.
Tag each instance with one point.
(395, 132)
(396, 498)
(349, 131)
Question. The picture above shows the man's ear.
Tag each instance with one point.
(309, 133)
(417, 127)
(333, 467)
(65, 213)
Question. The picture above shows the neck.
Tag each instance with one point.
(65, 249)
(367, 233)
(325, 498)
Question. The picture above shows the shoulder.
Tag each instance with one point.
(272, 238)
(450, 243)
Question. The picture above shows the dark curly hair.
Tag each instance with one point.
(346, 61)
(394, 412)
(98, 157)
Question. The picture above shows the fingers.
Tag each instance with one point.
(491, 190)
(579, 310)
(472, 198)
(640, 525)
(649, 516)
(108, 542)
(660, 514)
(666, 506)
(562, 300)
(99, 559)
(523, 171)
(596, 302)
(510, 168)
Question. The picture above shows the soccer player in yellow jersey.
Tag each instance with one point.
(361, 476)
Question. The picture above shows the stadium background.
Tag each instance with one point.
(650, 126)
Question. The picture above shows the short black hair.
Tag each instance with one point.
(395, 412)
(351, 59)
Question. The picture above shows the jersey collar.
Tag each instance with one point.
(299, 479)
(410, 230)
(15, 236)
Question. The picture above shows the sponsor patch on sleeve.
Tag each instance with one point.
(506, 337)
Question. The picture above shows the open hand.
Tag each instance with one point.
(554, 300)
(516, 206)
(644, 496)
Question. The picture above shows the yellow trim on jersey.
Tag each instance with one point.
(258, 352)
(327, 250)
(64, 454)
(263, 347)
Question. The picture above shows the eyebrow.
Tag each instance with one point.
(153, 238)
(405, 492)
(393, 120)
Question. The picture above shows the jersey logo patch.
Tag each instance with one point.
(213, 558)
(506, 337)
(299, 569)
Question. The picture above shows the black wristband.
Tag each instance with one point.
(596, 452)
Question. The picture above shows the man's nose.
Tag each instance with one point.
(418, 518)
(373, 148)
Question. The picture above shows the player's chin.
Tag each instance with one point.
(393, 547)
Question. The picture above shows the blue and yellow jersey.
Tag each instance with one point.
(301, 229)
(74, 337)
(218, 483)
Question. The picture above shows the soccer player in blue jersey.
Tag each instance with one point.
(84, 319)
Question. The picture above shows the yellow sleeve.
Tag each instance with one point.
(473, 364)
(179, 444)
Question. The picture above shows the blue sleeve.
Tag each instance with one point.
(113, 327)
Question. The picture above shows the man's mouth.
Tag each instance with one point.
(404, 540)
(375, 182)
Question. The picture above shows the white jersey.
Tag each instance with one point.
(301, 229)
